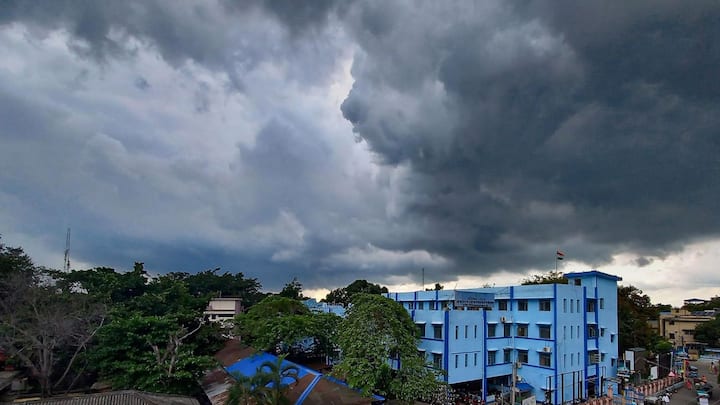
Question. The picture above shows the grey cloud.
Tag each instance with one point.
(616, 131)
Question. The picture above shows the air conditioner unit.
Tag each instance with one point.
(503, 319)
(547, 349)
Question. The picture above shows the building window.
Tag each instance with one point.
(564, 332)
(491, 329)
(564, 360)
(445, 305)
(572, 306)
(437, 360)
(602, 357)
(457, 357)
(421, 329)
(591, 331)
(522, 330)
(578, 332)
(591, 306)
(577, 281)
(491, 358)
(475, 358)
(522, 305)
(564, 304)
(523, 356)
(506, 330)
(612, 338)
(602, 332)
(437, 331)
(466, 358)
(672, 336)
(593, 358)
(410, 305)
(502, 305)
(578, 305)
(545, 359)
(475, 331)
(420, 305)
(457, 328)
(544, 305)
(612, 362)
(506, 355)
(466, 330)
(572, 359)
(571, 332)
(433, 305)
(421, 354)
(544, 331)
(602, 303)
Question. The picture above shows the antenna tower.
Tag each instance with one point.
(66, 261)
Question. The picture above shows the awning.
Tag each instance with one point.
(420, 322)
(524, 387)
(436, 323)
(544, 323)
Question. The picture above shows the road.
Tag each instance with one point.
(685, 396)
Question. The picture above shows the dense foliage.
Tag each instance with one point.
(377, 329)
(709, 332)
(44, 329)
(344, 296)
(277, 323)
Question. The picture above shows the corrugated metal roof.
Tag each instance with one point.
(128, 397)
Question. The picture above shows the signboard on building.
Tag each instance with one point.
(474, 300)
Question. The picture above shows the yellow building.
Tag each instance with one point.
(678, 325)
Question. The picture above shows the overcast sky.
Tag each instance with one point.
(331, 141)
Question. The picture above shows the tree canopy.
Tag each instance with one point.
(709, 332)
(375, 330)
(344, 295)
(279, 323)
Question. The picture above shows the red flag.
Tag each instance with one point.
(560, 255)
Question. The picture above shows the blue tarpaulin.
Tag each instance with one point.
(249, 366)
(523, 386)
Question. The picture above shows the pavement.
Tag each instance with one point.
(686, 396)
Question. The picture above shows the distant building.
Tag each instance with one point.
(694, 301)
(324, 307)
(678, 325)
(223, 309)
(561, 341)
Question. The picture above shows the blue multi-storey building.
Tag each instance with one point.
(559, 340)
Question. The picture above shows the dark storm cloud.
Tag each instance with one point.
(526, 126)
(500, 131)
(219, 35)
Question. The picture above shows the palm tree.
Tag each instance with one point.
(266, 386)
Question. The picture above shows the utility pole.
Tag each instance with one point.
(423, 278)
(514, 383)
(66, 261)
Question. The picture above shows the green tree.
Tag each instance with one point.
(46, 329)
(292, 290)
(344, 296)
(709, 332)
(152, 353)
(210, 283)
(634, 311)
(375, 330)
(552, 277)
(279, 322)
